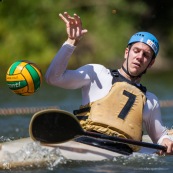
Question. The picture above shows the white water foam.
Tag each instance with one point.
(33, 152)
(140, 161)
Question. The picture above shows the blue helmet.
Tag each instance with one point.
(147, 38)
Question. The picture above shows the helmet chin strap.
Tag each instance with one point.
(127, 72)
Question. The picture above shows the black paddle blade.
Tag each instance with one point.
(54, 126)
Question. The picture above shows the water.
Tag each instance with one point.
(16, 126)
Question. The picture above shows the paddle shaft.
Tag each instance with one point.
(123, 140)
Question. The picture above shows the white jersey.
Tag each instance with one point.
(95, 82)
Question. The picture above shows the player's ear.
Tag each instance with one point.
(126, 52)
(151, 63)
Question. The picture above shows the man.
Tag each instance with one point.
(114, 102)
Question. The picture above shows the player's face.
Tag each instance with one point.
(139, 58)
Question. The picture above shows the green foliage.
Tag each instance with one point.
(31, 30)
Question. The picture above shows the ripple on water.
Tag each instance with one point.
(140, 161)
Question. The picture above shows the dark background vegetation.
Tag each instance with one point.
(32, 30)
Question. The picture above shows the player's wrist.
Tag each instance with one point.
(72, 42)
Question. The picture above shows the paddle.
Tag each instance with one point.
(57, 126)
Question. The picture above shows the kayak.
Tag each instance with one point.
(26, 153)
(57, 137)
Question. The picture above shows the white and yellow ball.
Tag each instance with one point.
(24, 78)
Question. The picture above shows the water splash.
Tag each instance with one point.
(33, 155)
(5, 139)
(141, 161)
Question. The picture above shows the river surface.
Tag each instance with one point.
(16, 126)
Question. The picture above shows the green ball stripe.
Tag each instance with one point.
(35, 76)
(13, 67)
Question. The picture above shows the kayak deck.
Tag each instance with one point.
(27, 153)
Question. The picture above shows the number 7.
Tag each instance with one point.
(128, 105)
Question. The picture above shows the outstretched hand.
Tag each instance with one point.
(73, 26)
